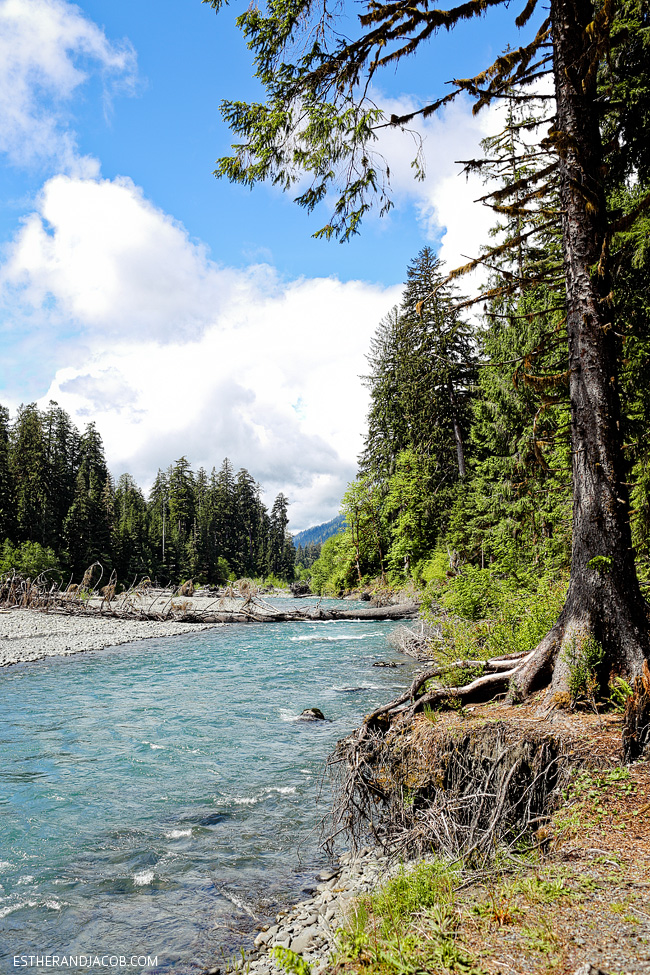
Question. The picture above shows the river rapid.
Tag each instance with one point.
(161, 798)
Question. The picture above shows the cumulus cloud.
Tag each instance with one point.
(124, 319)
(115, 263)
(45, 46)
(172, 354)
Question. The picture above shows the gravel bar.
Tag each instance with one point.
(27, 635)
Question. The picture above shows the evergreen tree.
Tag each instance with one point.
(7, 501)
(224, 514)
(252, 521)
(159, 524)
(30, 471)
(87, 528)
(202, 548)
(62, 442)
(55, 485)
(330, 139)
(181, 552)
(277, 549)
(421, 363)
(516, 506)
(131, 543)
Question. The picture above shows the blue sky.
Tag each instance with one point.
(182, 314)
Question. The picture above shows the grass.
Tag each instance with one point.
(536, 913)
(409, 925)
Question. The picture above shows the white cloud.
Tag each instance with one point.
(44, 46)
(125, 320)
(172, 354)
(116, 264)
(445, 200)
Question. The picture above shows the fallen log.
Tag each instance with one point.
(240, 602)
(253, 613)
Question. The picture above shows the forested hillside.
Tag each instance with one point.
(467, 455)
(60, 509)
(309, 542)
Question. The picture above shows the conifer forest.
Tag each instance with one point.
(520, 446)
(60, 511)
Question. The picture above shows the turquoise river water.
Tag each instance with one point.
(160, 798)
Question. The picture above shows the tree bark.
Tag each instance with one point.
(458, 437)
(604, 598)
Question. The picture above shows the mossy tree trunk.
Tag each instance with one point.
(604, 600)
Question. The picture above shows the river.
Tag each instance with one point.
(160, 799)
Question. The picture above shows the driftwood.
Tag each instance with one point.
(240, 602)
(416, 640)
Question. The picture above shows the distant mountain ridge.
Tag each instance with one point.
(319, 533)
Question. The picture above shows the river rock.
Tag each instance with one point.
(312, 714)
(326, 875)
(301, 942)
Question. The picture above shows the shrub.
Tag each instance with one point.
(433, 570)
(473, 594)
(29, 559)
(583, 656)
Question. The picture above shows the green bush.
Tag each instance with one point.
(272, 580)
(433, 570)
(524, 617)
(583, 657)
(333, 572)
(221, 571)
(483, 617)
(29, 559)
(290, 961)
(473, 594)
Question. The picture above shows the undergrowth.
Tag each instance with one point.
(409, 925)
(433, 918)
(479, 615)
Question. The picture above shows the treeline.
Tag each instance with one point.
(60, 509)
(467, 454)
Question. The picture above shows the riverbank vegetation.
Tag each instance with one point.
(529, 844)
(544, 408)
(61, 511)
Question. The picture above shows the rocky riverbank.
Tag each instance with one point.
(27, 635)
(309, 927)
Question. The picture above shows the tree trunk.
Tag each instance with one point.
(604, 599)
(458, 437)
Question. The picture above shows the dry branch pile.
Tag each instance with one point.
(416, 640)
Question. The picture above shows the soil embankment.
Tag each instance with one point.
(563, 888)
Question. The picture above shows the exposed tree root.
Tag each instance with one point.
(636, 721)
(493, 675)
(548, 666)
(414, 788)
